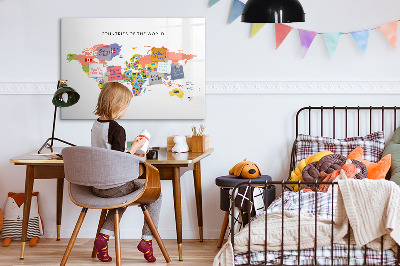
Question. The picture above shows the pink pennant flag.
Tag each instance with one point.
(281, 31)
(389, 30)
(306, 39)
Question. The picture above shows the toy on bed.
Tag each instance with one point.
(348, 170)
(245, 169)
(375, 170)
(296, 174)
(13, 215)
(329, 164)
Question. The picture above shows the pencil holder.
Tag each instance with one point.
(200, 143)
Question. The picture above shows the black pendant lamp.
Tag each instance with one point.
(273, 11)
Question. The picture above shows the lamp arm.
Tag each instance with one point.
(54, 126)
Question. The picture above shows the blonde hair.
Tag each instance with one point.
(113, 98)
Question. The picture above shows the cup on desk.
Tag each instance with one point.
(152, 155)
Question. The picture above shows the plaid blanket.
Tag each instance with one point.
(323, 205)
(340, 254)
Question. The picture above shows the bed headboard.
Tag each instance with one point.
(344, 121)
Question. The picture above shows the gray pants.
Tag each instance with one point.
(154, 208)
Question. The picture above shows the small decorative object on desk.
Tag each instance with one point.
(171, 143)
(200, 141)
(180, 144)
(152, 154)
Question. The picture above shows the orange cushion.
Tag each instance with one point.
(375, 170)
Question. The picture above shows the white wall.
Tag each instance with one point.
(259, 127)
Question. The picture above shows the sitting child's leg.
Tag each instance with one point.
(107, 230)
(145, 244)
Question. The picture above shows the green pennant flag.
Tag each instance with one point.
(332, 41)
(213, 2)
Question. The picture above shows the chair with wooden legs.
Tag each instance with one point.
(85, 167)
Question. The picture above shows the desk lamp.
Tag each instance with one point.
(273, 11)
(64, 97)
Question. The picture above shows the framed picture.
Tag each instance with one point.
(162, 60)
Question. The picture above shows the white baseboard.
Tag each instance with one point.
(248, 87)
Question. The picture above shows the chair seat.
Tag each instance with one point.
(83, 196)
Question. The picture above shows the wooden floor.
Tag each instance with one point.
(50, 252)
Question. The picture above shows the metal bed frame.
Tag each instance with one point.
(284, 183)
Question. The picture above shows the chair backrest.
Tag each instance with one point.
(92, 166)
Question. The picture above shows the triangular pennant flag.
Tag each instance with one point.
(332, 41)
(306, 39)
(281, 31)
(237, 9)
(255, 28)
(361, 37)
(389, 30)
(213, 2)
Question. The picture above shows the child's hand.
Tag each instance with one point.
(137, 144)
(143, 155)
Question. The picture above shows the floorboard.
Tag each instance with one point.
(50, 252)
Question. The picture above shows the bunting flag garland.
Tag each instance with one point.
(332, 41)
(361, 37)
(237, 8)
(306, 39)
(256, 27)
(213, 2)
(281, 31)
(389, 30)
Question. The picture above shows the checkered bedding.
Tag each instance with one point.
(323, 207)
(372, 145)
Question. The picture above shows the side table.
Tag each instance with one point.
(226, 183)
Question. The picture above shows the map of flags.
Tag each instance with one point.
(331, 39)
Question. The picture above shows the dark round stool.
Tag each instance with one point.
(228, 182)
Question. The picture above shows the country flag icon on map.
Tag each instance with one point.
(112, 51)
(88, 59)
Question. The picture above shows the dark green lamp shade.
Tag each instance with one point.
(65, 96)
(273, 11)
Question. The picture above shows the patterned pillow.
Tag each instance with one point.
(372, 144)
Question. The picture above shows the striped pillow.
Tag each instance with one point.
(372, 145)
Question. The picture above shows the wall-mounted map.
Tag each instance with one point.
(162, 60)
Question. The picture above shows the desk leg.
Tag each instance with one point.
(27, 206)
(176, 182)
(60, 190)
(197, 189)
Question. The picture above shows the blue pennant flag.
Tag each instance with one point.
(361, 37)
(332, 41)
(213, 2)
(237, 9)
